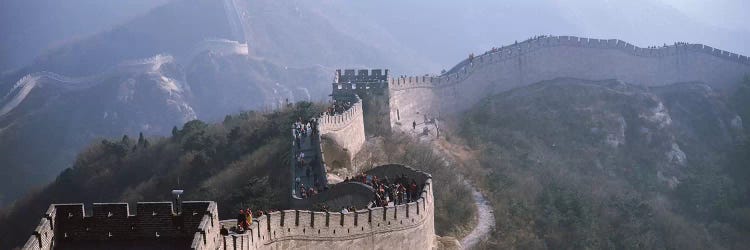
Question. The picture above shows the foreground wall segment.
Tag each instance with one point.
(111, 224)
(406, 226)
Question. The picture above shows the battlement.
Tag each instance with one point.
(410, 82)
(361, 75)
(335, 122)
(513, 51)
(302, 229)
(155, 223)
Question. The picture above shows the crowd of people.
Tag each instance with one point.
(322, 207)
(302, 130)
(401, 190)
(339, 107)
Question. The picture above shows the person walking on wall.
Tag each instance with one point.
(414, 125)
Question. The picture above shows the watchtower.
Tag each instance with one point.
(372, 87)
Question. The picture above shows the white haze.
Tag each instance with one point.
(446, 31)
(440, 31)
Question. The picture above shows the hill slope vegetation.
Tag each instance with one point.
(574, 164)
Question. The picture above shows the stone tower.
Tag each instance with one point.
(372, 87)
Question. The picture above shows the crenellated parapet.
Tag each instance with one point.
(360, 75)
(335, 122)
(411, 82)
(511, 52)
(405, 226)
(67, 225)
(417, 99)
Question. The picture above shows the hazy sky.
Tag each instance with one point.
(455, 28)
(731, 13)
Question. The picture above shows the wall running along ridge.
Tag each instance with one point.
(406, 226)
(554, 57)
(66, 225)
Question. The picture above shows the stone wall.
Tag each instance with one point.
(339, 195)
(406, 226)
(411, 100)
(66, 225)
(566, 56)
(343, 135)
(368, 78)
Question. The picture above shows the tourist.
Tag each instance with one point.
(413, 190)
(241, 219)
(414, 125)
(223, 231)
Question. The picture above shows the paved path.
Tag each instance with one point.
(485, 219)
(485, 215)
(312, 170)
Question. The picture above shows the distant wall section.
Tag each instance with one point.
(565, 56)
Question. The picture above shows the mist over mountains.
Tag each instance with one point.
(75, 71)
(181, 61)
(569, 162)
(33, 27)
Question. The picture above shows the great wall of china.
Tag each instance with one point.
(397, 101)
(546, 58)
(405, 226)
(344, 134)
(195, 225)
(112, 224)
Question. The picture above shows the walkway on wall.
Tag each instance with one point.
(313, 170)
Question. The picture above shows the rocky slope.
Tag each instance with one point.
(580, 164)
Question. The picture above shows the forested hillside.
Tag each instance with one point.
(574, 164)
(241, 162)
